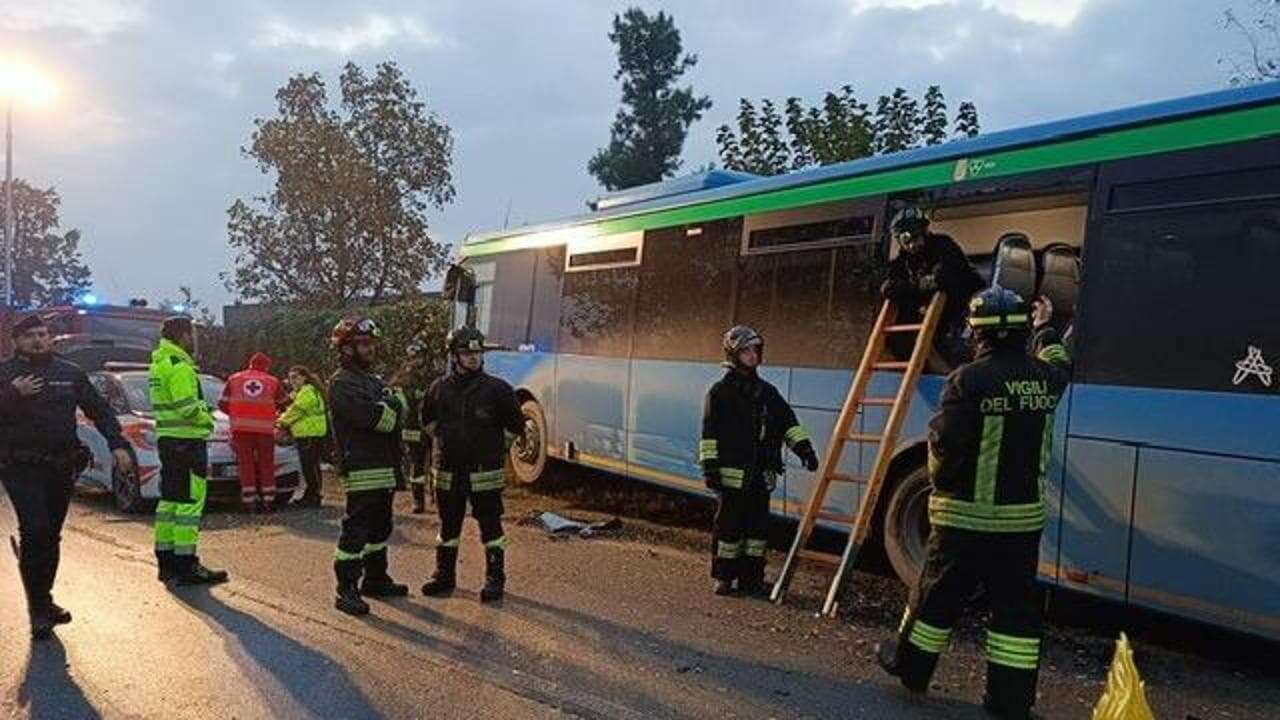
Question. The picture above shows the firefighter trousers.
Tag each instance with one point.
(958, 562)
(741, 534)
(362, 545)
(486, 508)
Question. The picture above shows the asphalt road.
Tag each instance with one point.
(603, 628)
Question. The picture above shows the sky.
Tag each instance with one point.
(156, 98)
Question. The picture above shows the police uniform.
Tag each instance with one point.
(366, 428)
(745, 422)
(40, 458)
(183, 426)
(989, 444)
(472, 418)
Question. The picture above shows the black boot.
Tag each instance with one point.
(445, 578)
(887, 658)
(165, 566)
(419, 491)
(348, 599)
(58, 614)
(377, 583)
(723, 587)
(42, 623)
(495, 576)
(196, 574)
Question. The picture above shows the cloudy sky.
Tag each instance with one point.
(157, 97)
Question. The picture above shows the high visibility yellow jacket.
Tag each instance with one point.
(176, 399)
(305, 416)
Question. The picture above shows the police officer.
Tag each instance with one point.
(183, 426)
(40, 456)
(926, 263)
(745, 422)
(472, 416)
(988, 445)
(367, 419)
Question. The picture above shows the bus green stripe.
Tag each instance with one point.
(1184, 134)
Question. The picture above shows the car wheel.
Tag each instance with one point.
(128, 492)
(528, 455)
(906, 525)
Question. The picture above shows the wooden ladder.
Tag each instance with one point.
(860, 524)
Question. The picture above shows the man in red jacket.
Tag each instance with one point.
(251, 398)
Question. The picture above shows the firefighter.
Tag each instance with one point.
(745, 422)
(989, 442)
(367, 419)
(183, 425)
(250, 399)
(410, 389)
(40, 456)
(471, 416)
(926, 263)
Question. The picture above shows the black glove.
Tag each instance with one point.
(711, 478)
(927, 284)
(804, 449)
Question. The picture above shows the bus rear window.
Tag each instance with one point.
(144, 331)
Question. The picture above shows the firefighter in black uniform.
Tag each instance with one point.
(40, 456)
(410, 384)
(989, 443)
(745, 422)
(472, 418)
(928, 262)
(367, 419)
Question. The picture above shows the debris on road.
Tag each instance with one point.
(560, 526)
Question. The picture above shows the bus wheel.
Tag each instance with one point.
(529, 454)
(906, 525)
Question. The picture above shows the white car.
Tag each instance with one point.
(125, 387)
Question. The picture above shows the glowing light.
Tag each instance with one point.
(25, 83)
(89, 299)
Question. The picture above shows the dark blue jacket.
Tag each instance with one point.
(45, 423)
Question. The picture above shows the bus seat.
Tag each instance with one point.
(1015, 265)
(1061, 281)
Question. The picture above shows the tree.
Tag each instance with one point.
(649, 129)
(47, 267)
(841, 128)
(1260, 27)
(347, 217)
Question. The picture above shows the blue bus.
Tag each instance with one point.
(1164, 489)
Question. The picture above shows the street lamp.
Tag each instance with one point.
(18, 81)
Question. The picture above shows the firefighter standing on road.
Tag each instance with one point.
(183, 426)
(410, 388)
(745, 422)
(366, 428)
(471, 416)
(989, 443)
(250, 398)
(40, 456)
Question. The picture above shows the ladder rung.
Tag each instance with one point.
(817, 556)
(842, 478)
(837, 517)
(879, 401)
(864, 437)
(891, 365)
(916, 327)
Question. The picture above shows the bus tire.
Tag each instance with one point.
(906, 525)
(528, 457)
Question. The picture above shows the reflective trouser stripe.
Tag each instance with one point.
(984, 489)
(1020, 653)
(178, 524)
(371, 548)
(729, 550)
(708, 450)
(418, 480)
(481, 481)
(451, 542)
(341, 555)
(756, 548)
(371, 479)
(411, 435)
(497, 543)
(928, 638)
(731, 477)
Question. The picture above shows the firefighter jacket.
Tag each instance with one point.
(472, 418)
(366, 429)
(251, 396)
(940, 265)
(42, 427)
(306, 416)
(412, 398)
(989, 441)
(745, 422)
(177, 401)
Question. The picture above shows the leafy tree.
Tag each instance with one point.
(47, 267)
(346, 219)
(841, 128)
(649, 129)
(1260, 28)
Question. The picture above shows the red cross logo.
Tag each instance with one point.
(253, 388)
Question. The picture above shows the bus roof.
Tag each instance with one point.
(1218, 117)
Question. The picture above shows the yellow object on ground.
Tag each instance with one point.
(1124, 697)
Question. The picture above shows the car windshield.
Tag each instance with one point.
(137, 388)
